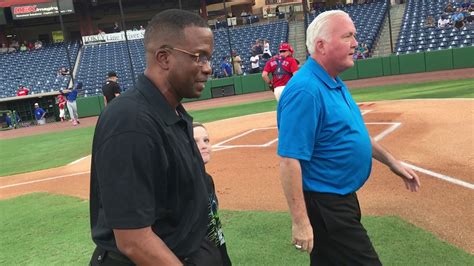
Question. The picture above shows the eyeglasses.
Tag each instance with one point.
(201, 59)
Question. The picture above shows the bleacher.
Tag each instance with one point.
(243, 38)
(98, 59)
(368, 19)
(36, 69)
(416, 37)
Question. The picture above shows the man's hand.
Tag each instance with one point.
(411, 179)
(302, 235)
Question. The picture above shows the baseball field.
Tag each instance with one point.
(426, 120)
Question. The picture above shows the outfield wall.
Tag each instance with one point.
(370, 68)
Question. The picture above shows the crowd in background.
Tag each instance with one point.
(15, 46)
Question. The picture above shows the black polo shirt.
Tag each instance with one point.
(147, 171)
(109, 90)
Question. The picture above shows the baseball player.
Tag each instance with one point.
(282, 67)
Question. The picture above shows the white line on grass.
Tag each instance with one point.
(42, 180)
(78, 160)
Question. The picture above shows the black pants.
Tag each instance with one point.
(207, 255)
(339, 237)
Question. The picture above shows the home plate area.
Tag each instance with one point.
(268, 136)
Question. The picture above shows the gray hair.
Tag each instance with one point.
(319, 28)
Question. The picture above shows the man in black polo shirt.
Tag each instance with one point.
(149, 192)
(111, 89)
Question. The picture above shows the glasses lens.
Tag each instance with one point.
(203, 59)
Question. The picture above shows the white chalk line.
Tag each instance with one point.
(78, 160)
(441, 176)
(42, 180)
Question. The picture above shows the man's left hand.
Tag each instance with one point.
(411, 179)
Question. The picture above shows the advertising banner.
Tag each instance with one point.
(42, 9)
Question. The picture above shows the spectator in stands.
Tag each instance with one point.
(111, 88)
(291, 14)
(4, 49)
(458, 18)
(39, 115)
(116, 27)
(71, 96)
(63, 71)
(141, 27)
(38, 44)
(254, 63)
(257, 47)
(282, 67)
(23, 48)
(365, 50)
(226, 67)
(266, 50)
(15, 44)
(277, 11)
(30, 46)
(201, 137)
(465, 5)
(22, 91)
(429, 22)
(443, 22)
(237, 61)
(61, 100)
(449, 8)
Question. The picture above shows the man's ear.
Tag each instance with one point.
(320, 46)
(162, 58)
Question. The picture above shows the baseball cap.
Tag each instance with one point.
(112, 74)
(36, 104)
(285, 47)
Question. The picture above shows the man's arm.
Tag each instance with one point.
(411, 179)
(291, 180)
(144, 247)
(105, 101)
(266, 78)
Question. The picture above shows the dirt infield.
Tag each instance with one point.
(436, 135)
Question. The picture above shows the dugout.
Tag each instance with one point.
(24, 106)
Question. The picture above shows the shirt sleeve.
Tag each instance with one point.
(298, 124)
(128, 167)
(268, 67)
(293, 66)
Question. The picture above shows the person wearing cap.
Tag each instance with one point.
(39, 115)
(71, 96)
(282, 67)
(111, 88)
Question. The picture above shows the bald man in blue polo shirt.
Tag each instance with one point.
(326, 151)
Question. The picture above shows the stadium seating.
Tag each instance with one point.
(36, 69)
(416, 37)
(242, 39)
(97, 60)
(368, 19)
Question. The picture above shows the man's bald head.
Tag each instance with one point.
(167, 28)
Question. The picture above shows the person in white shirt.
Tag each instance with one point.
(254, 63)
(266, 50)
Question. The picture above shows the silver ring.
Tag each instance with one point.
(298, 246)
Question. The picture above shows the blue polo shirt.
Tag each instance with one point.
(320, 125)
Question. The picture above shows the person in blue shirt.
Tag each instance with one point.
(71, 96)
(326, 151)
(226, 67)
(39, 115)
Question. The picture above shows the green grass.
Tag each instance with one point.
(56, 149)
(26, 154)
(45, 229)
(439, 89)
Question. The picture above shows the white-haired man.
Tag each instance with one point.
(326, 151)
